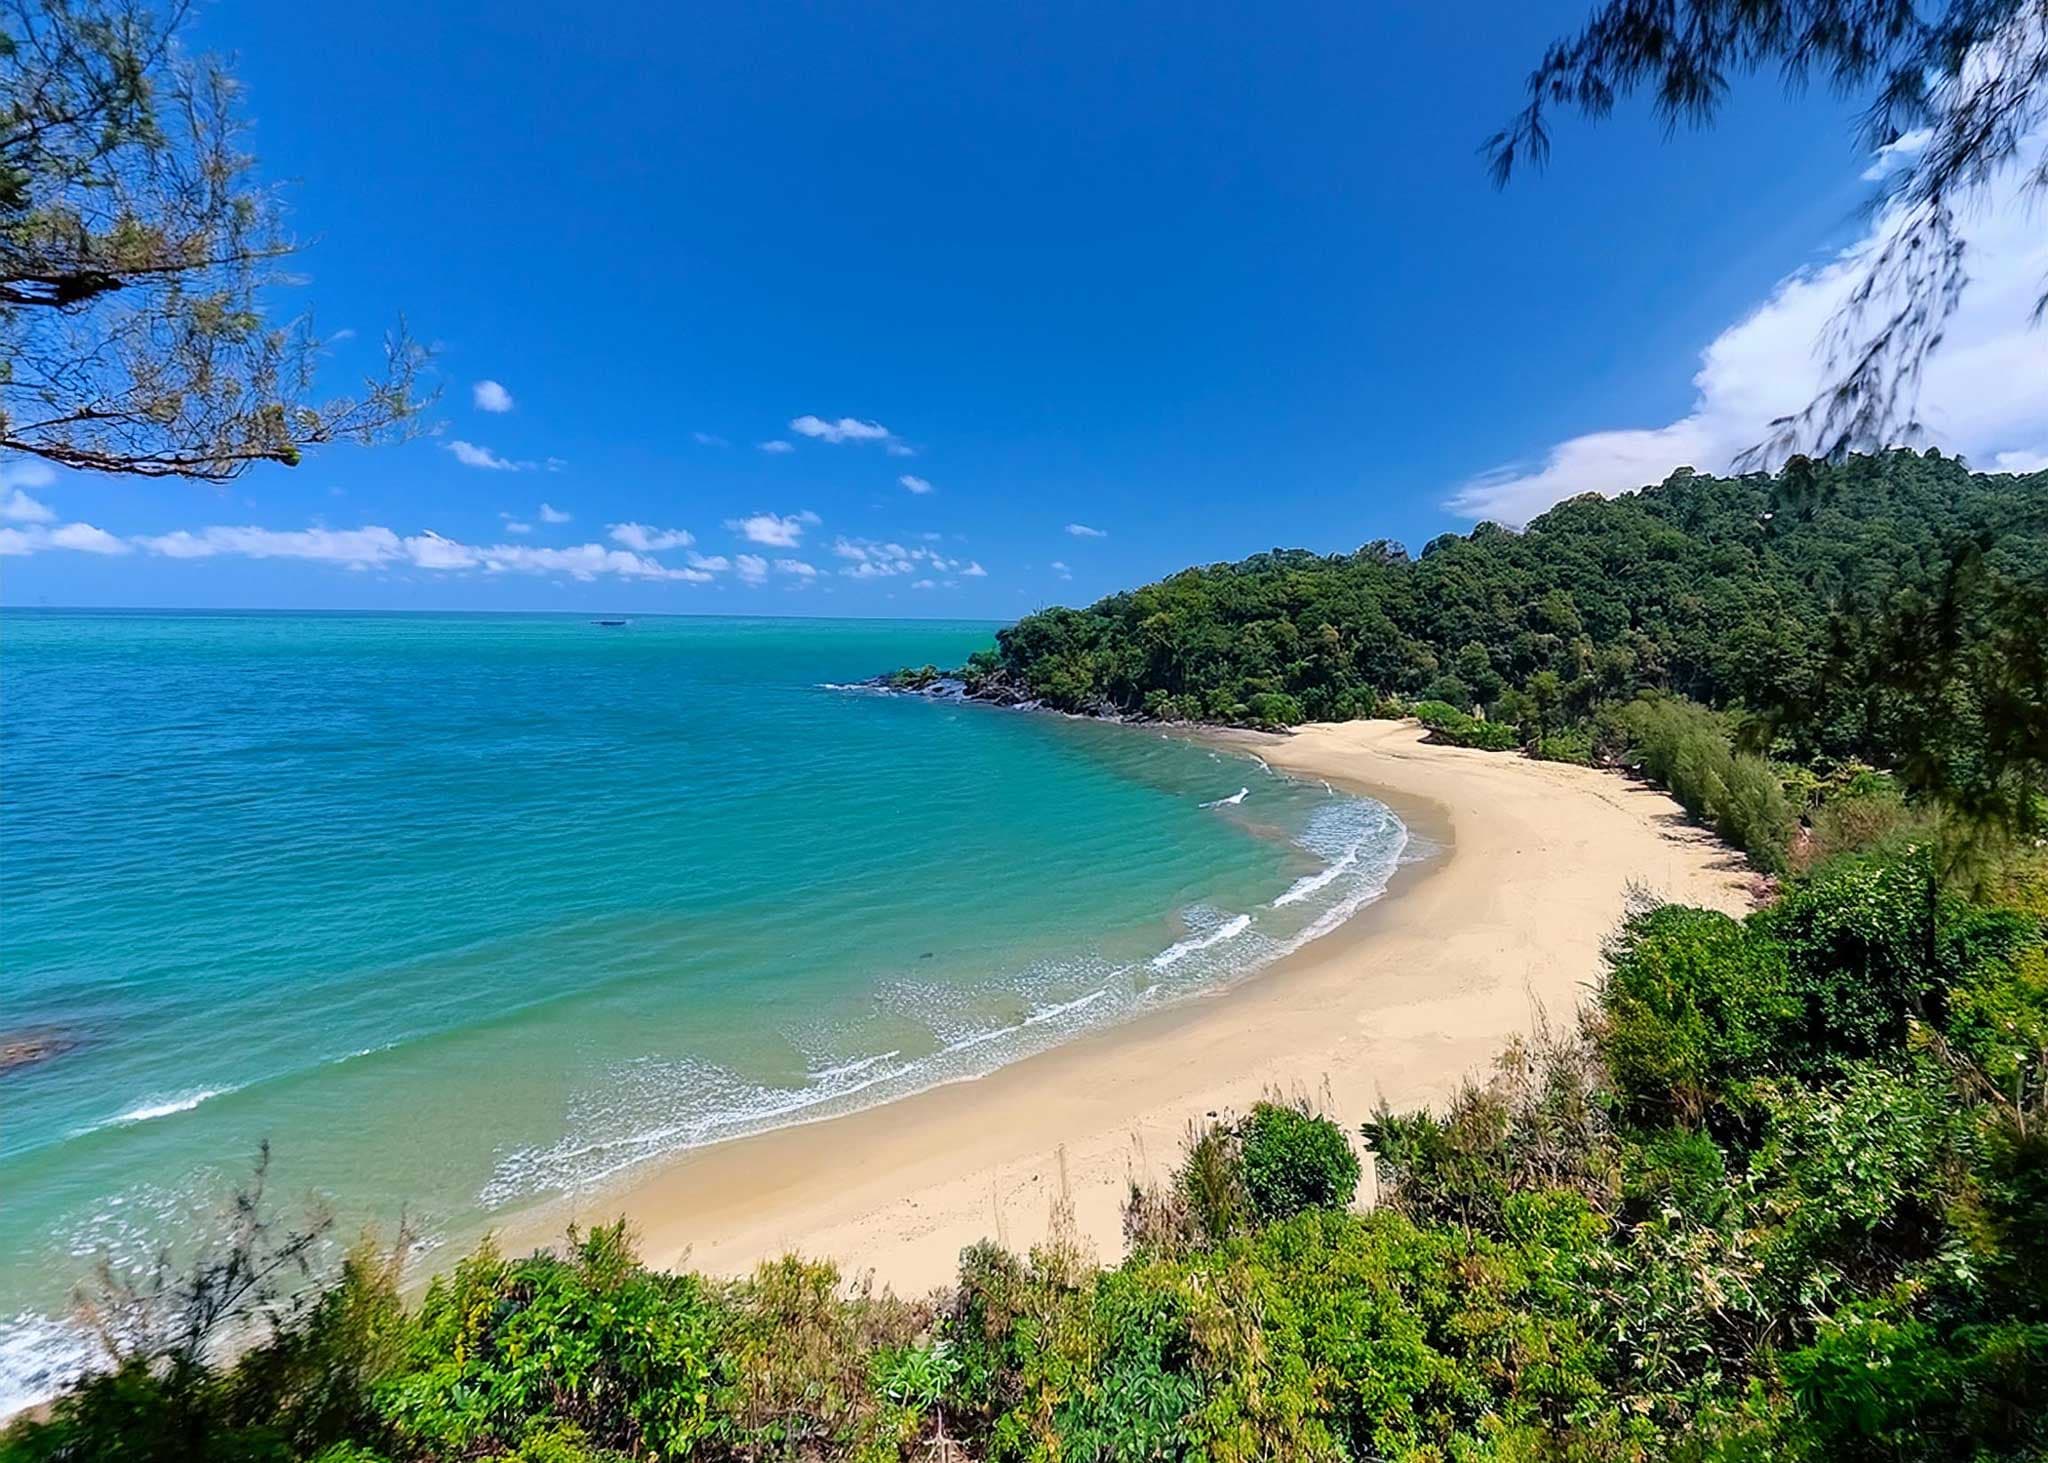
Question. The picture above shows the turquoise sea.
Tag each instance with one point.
(462, 912)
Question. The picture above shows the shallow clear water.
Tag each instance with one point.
(463, 912)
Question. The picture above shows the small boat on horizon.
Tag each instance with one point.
(610, 622)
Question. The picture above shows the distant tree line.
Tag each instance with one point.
(1884, 611)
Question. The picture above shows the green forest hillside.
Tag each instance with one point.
(1754, 643)
(1729, 591)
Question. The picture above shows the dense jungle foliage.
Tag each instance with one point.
(1746, 641)
(1732, 592)
(1781, 1193)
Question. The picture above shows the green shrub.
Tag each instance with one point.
(1438, 715)
(1574, 746)
(1446, 723)
(1273, 710)
(631, 1356)
(1694, 1004)
(1539, 1123)
(1998, 1020)
(1294, 1160)
(1873, 943)
(1687, 748)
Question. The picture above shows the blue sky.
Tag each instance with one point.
(1201, 280)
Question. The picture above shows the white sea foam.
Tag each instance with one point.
(1179, 950)
(163, 1107)
(1230, 802)
(1064, 1008)
(39, 1357)
(653, 1107)
(1308, 884)
(851, 1069)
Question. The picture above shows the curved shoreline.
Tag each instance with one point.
(1533, 866)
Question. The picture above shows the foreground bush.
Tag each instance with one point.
(1783, 1193)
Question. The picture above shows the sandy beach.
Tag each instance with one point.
(1532, 869)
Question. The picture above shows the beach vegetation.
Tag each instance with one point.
(1779, 1189)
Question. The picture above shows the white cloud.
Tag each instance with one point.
(19, 507)
(915, 483)
(471, 455)
(371, 546)
(780, 531)
(350, 546)
(709, 439)
(1082, 530)
(549, 513)
(345, 333)
(26, 472)
(881, 559)
(86, 539)
(514, 525)
(1896, 154)
(490, 396)
(922, 584)
(797, 568)
(716, 563)
(81, 538)
(777, 447)
(845, 429)
(751, 568)
(973, 570)
(651, 540)
(2022, 462)
(899, 449)
(1981, 395)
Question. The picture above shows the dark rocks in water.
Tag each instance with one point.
(19, 1049)
(993, 688)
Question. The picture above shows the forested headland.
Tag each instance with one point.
(1752, 642)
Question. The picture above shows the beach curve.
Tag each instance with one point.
(1534, 865)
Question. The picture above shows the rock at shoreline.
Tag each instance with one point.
(27, 1048)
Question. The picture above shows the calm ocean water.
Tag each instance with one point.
(463, 912)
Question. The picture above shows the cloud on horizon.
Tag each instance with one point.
(1981, 396)
(372, 546)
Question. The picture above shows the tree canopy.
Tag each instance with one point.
(1958, 95)
(1886, 609)
(140, 259)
